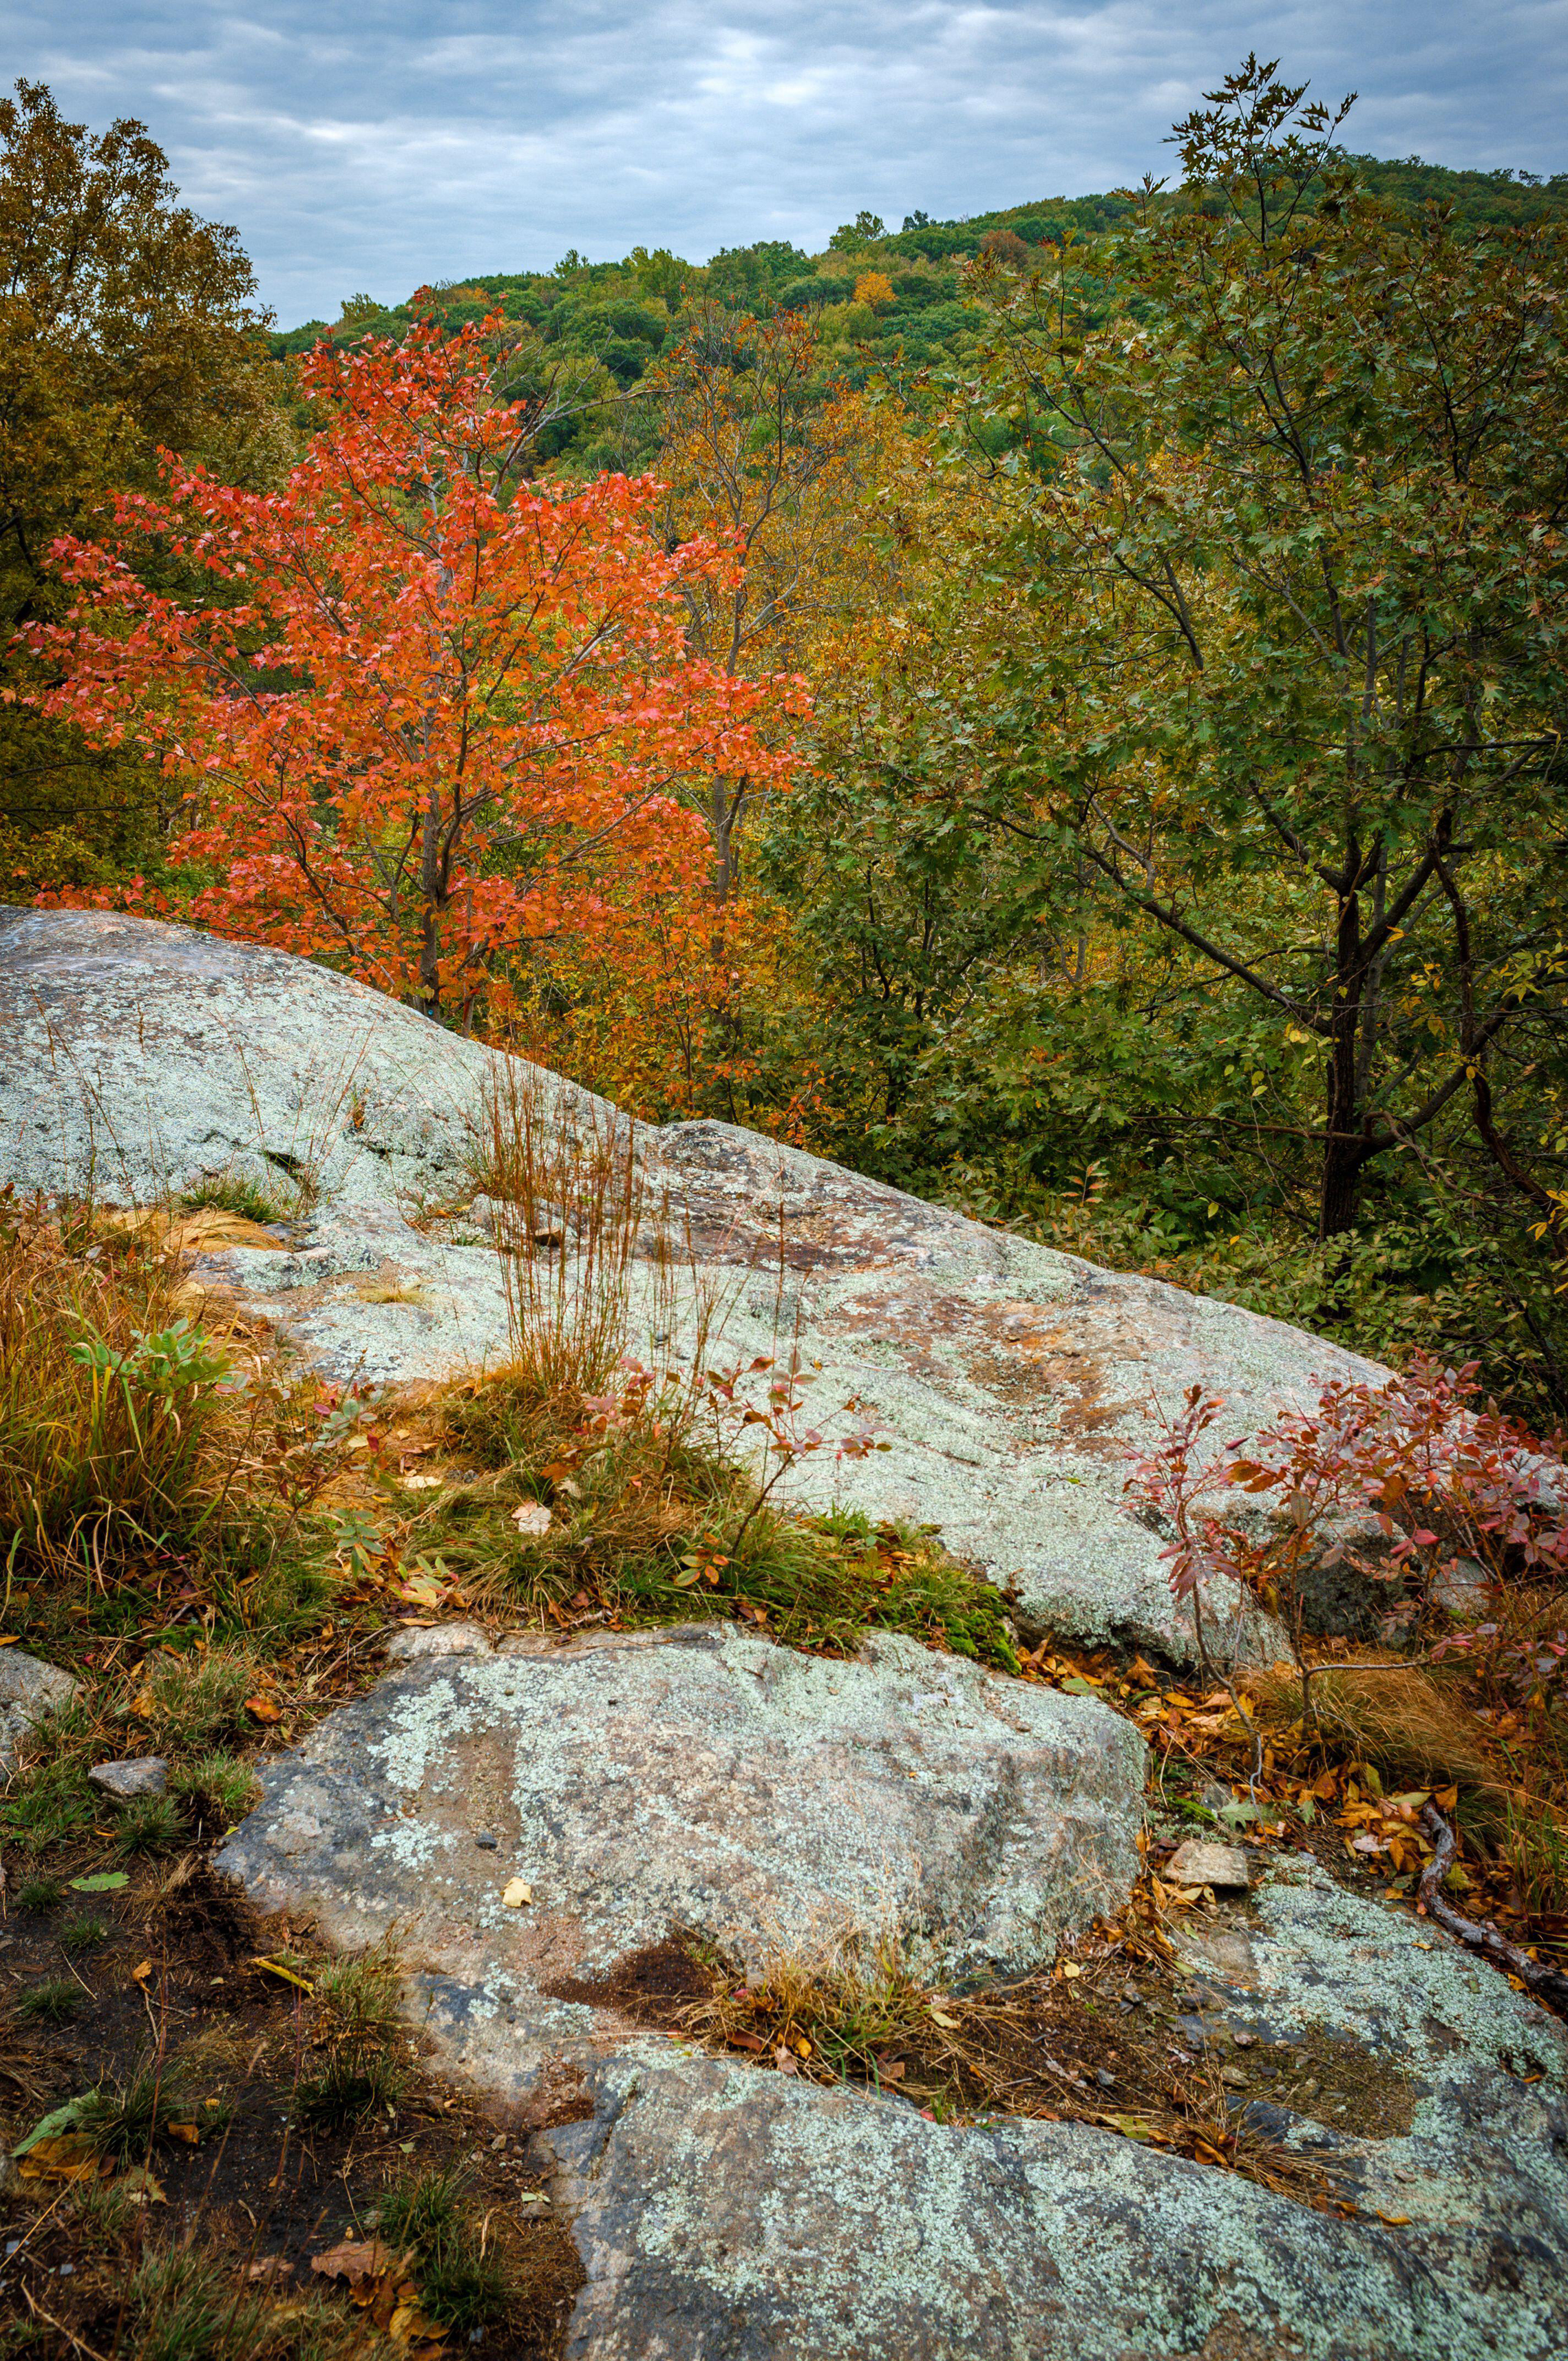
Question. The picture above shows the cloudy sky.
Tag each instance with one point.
(371, 145)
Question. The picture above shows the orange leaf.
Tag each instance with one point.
(263, 1709)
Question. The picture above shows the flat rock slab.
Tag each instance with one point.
(726, 2214)
(1005, 1380)
(700, 1779)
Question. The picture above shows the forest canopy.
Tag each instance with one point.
(1076, 731)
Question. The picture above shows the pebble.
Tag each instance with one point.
(487, 1843)
(1198, 1863)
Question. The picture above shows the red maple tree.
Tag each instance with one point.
(430, 712)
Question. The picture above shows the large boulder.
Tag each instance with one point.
(1005, 1380)
(705, 1779)
(712, 1784)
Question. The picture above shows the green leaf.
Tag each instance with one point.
(104, 1880)
(60, 2119)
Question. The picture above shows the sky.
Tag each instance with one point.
(373, 145)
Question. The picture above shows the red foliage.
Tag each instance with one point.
(1450, 1490)
(430, 712)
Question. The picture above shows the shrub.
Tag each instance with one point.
(1410, 1483)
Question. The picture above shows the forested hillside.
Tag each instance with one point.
(1061, 709)
(882, 302)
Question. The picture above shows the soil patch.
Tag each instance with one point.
(182, 1982)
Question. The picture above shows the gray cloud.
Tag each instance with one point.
(380, 145)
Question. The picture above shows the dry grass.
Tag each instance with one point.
(851, 2005)
(118, 1420)
(564, 1181)
(1415, 1729)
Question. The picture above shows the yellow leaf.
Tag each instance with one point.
(187, 2133)
(517, 1893)
(69, 2156)
(1071, 1970)
(276, 1967)
(140, 1974)
(939, 2017)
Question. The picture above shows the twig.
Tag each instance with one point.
(1482, 1938)
(69, 2334)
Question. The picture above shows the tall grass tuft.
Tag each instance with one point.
(562, 1175)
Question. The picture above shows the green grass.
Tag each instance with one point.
(55, 2001)
(48, 1801)
(358, 2039)
(215, 1789)
(430, 2217)
(148, 1823)
(40, 1893)
(124, 2119)
(236, 1192)
(186, 2304)
(657, 1528)
(84, 1934)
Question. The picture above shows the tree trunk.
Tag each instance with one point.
(1343, 1152)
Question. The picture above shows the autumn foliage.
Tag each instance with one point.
(430, 713)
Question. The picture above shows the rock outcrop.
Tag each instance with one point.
(1005, 1380)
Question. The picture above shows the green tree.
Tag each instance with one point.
(1294, 519)
(125, 323)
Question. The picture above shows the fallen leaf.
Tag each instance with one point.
(188, 2133)
(276, 1967)
(422, 1483)
(939, 2017)
(262, 1709)
(139, 2187)
(1393, 2220)
(140, 1974)
(532, 1520)
(69, 2156)
(517, 1893)
(358, 2260)
(59, 2119)
(1071, 1970)
(102, 1881)
(1135, 2127)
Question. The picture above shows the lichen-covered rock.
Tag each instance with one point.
(1005, 1380)
(724, 2212)
(699, 1778)
(30, 1689)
